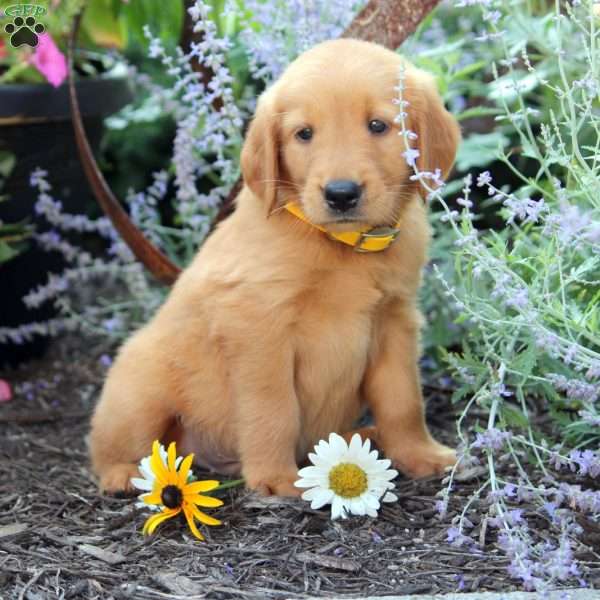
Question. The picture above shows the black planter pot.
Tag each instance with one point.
(35, 126)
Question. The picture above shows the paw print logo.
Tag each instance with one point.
(24, 31)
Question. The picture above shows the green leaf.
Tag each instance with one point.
(514, 416)
(478, 111)
(7, 252)
(480, 149)
(468, 70)
(7, 163)
(526, 361)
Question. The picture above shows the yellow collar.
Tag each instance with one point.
(366, 239)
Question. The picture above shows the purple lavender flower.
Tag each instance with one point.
(288, 27)
(570, 224)
(442, 507)
(519, 299)
(575, 389)
(456, 538)
(587, 461)
(524, 209)
(590, 417)
(105, 360)
(411, 155)
(491, 439)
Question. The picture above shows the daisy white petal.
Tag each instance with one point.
(357, 507)
(142, 484)
(309, 472)
(356, 445)
(371, 502)
(145, 469)
(318, 461)
(386, 463)
(337, 508)
(338, 443)
(367, 446)
(321, 498)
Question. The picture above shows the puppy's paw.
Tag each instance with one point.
(278, 485)
(116, 479)
(424, 460)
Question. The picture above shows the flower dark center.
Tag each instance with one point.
(171, 496)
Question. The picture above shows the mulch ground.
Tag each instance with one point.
(60, 539)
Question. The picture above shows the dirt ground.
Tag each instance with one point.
(60, 539)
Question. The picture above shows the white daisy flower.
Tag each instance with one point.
(349, 477)
(147, 482)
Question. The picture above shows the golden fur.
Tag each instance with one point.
(275, 335)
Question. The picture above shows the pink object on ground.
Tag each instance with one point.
(5, 391)
(49, 60)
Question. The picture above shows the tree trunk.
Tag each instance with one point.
(389, 22)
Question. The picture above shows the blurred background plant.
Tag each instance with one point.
(13, 236)
(511, 296)
(516, 271)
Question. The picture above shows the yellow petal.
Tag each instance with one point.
(200, 486)
(184, 470)
(155, 520)
(152, 498)
(173, 476)
(157, 465)
(207, 501)
(190, 519)
(204, 518)
(171, 456)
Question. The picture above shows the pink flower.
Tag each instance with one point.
(49, 60)
(5, 391)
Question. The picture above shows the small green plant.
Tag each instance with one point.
(13, 236)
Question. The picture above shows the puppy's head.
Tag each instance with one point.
(324, 135)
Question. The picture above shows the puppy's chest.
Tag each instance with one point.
(333, 333)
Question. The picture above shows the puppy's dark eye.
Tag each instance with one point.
(304, 135)
(378, 127)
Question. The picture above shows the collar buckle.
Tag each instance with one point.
(382, 236)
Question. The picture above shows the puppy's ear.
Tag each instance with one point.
(260, 153)
(437, 130)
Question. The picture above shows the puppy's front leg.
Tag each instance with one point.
(268, 421)
(393, 391)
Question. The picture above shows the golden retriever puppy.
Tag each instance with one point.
(279, 333)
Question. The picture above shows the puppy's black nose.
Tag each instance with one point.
(342, 194)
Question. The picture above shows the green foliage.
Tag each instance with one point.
(13, 236)
(522, 267)
(165, 19)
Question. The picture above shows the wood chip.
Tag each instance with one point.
(471, 473)
(331, 562)
(112, 558)
(7, 531)
(262, 502)
(178, 584)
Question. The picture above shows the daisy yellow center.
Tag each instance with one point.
(347, 480)
(171, 496)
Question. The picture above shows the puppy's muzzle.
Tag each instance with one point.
(342, 195)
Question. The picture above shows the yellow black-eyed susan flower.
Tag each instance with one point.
(170, 490)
